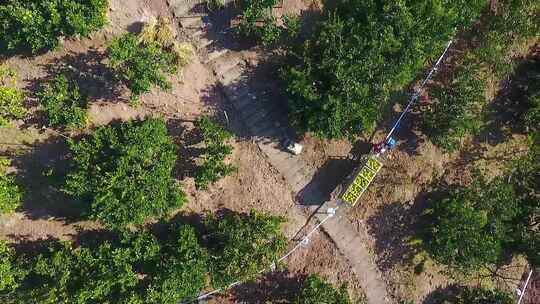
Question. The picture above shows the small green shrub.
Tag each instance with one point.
(216, 150)
(83, 275)
(11, 98)
(64, 105)
(10, 272)
(524, 176)
(160, 32)
(10, 193)
(37, 25)
(124, 172)
(258, 22)
(456, 108)
(532, 117)
(240, 244)
(141, 65)
(182, 269)
(316, 290)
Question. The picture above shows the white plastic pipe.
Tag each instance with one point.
(525, 287)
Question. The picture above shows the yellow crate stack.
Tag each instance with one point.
(361, 181)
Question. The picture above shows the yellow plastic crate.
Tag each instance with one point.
(374, 164)
(361, 181)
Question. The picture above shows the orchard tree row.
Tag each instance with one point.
(123, 176)
(136, 266)
(38, 25)
(104, 165)
(362, 54)
(342, 75)
(123, 173)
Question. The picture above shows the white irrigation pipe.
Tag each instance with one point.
(522, 293)
(304, 241)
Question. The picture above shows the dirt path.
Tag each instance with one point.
(352, 244)
(237, 73)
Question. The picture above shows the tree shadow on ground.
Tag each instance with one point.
(258, 103)
(330, 175)
(223, 110)
(392, 227)
(361, 147)
(135, 27)
(335, 171)
(91, 73)
(92, 238)
(451, 294)
(504, 116)
(195, 220)
(188, 141)
(532, 293)
(203, 7)
(504, 274)
(32, 247)
(408, 138)
(274, 287)
(442, 294)
(42, 170)
(395, 225)
(88, 70)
